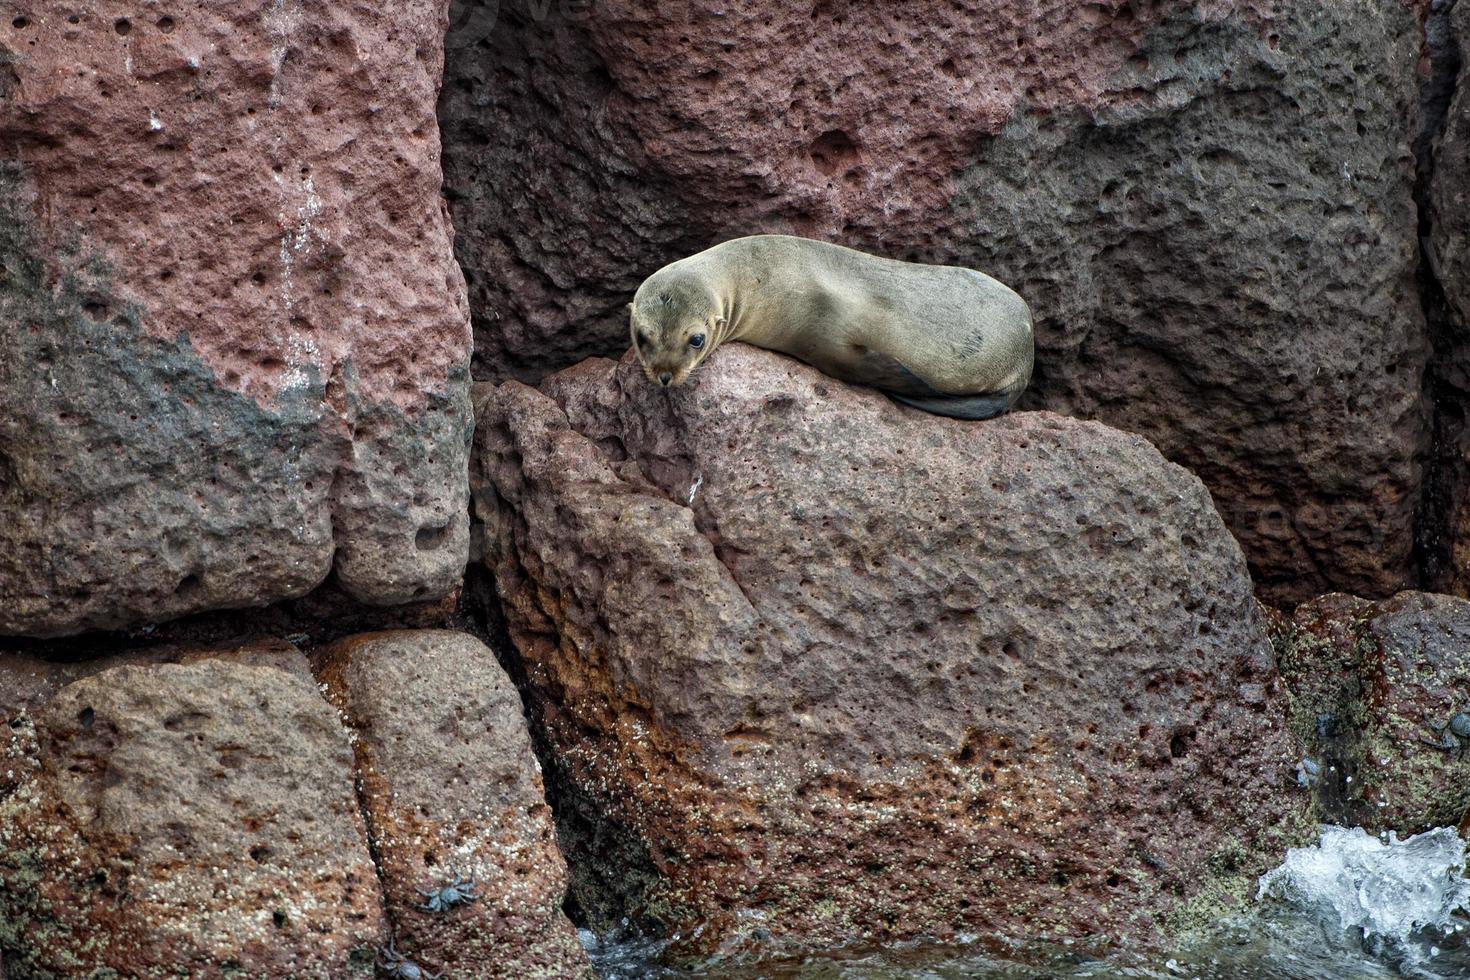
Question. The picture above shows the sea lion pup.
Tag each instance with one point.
(946, 339)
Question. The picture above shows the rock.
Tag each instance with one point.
(1449, 196)
(450, 787)
(837, 672)
(1208, 207)
(1447, 267)
(196, 815)
(1367, 682)
(233, 339)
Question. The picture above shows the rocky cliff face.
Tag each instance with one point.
(793, 641)
(233, 339)
(1207, 205)
(805, 668)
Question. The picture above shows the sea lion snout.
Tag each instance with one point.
(665, 378)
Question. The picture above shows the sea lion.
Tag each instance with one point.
(946, 339)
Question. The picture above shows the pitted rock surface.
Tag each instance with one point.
(195, 815)
(1370, 684)
(450, 788)
(1208, 207)
(841, 672)
(233, 339)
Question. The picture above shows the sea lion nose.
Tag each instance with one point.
(666, 377)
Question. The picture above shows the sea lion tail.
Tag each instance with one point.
(963, 406)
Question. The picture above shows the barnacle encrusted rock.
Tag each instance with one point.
(451, 790)
(835, 671)
(196, 815)
(1372, 687)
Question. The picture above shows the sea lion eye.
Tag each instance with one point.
(643, 340)
(697, 341)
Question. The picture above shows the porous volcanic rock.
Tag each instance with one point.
(450, 788)
(1368, 683)
(233, 339)
(1207, 205)
(195, 815)
(837, 671)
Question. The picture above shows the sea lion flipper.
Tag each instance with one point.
(889, 374)
(961, 406)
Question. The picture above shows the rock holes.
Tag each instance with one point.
(260, 854)
(429, 538)
(86, 717)
(833, 152)
(189, 587)
(166, 24)
(20, 23)
(123, 26)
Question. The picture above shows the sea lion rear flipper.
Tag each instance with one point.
(889, 374)
(961, 406)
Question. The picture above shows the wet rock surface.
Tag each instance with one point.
(1208, 207)
(833, 671)
(452, 793)
(197, 814)
(233, 339)
(1374, 687)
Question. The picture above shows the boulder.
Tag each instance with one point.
(233, 339)
(1207, 205)
(1373, 686)
(452, 793)
(819, 670)
(197, 815)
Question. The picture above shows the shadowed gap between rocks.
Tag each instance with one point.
(1446, 382)
(608, 867)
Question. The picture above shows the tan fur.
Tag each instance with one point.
(925, 333)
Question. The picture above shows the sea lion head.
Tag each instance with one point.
(675, 321)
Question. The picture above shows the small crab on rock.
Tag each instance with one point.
(457, 892)
(399, 967)
(1454, 735)
(1308, 773)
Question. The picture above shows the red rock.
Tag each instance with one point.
(233, 337)
(197, 814)
(842, 672)
(450, 787)
(1207, 205)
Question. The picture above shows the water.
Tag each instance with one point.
(1351, 907)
